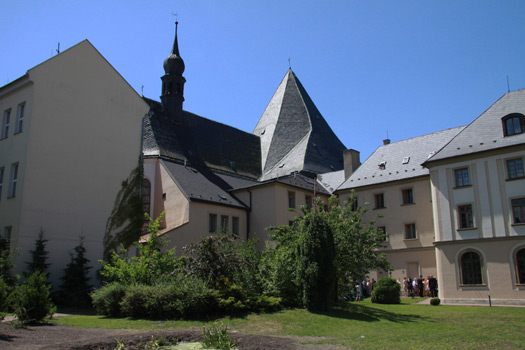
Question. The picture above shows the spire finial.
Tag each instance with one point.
(289, 63)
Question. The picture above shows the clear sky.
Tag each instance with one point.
(408, 68)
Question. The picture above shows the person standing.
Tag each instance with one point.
(420, 285)
(432, 281)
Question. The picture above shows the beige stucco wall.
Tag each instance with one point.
(499, 278)
(82, 130)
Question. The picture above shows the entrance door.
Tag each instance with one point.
(412, 269)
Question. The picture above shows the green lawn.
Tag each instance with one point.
(368, 326)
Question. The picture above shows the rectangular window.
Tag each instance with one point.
(20, 118)
(410, 231)
(291, 199)
(7, 232)
(13, 180)
(212, 223)
(308, 200)
(466, 219)
(515, 168)
(462, 178)
(224, 223)
(354, 204)
(381, 232)
(1, 182)
(518, 210)
(235, 225)
(408, 197)
(379, 200)
(6, 120)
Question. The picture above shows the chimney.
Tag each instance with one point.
(351, 161)
(386, 141)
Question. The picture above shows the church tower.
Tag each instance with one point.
(173, 82)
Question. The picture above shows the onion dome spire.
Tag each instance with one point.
(174, 64)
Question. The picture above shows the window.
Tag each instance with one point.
(379, 200)
(462, 178)
(13, 180)
(518, 210)
(212, 223)
(235, 225)
(513, 124)
(381, 232)
(408, 197)
(466, 219)
(6, 120)
(308, 200)
(20, 118)
(146, 196)
(410, 231)
(471, 268)
(224, 223)
(1, 182)
(353, 203)
(519, 263)
(7, 232)
(291, 199)
(515, 168)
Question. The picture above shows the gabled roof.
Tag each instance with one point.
(206, 185)
(201, 142)
(294, 180)
(399, 160)
(330, 181)
(294, 135)
(485, 133)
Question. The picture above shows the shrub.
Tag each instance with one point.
(386, 291)
(217, 337)
(31, 301)
(107, 299)
(435, 301)
(4, 293)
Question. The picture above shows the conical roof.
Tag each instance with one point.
(294, 135)
(174, 64)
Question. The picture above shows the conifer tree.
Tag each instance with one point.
(38, 256)
(75, 287)
(6, 265)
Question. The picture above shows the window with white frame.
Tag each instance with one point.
(13, 180)
(518, 210)
(515, 168)
(6, 120)
(471, 266)
(462, 177)
(20, 118)
(466, 218)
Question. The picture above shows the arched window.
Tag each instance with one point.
(519, 264)
(146, 196)
(513, 124)
(471, 268)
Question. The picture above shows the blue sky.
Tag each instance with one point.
(404, 67)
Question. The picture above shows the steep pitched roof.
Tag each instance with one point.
(330, 181)
(294, 135)
(201, 142)
(486, 131)
(401, 160)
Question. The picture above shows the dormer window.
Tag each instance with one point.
(513, 124)
(382, 165)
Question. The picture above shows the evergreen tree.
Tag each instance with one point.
(38, 256)
(6, 265)
(75, 287)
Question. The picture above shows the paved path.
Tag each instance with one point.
(427, 302)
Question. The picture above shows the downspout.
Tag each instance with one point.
(248, 216)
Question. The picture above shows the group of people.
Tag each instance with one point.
(420, 286)
(364, 289)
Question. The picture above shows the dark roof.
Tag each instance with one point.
(201, 142)
(485, 133)
(399, 160)
(205, 184)
(297, 180)
(294, 135)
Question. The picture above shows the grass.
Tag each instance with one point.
(365, 325)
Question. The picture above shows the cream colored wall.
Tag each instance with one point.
(499, 277)
(83, 132)
(424, 257)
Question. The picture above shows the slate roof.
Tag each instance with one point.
(201, 142)
(413, 152)
(294, 135)
(205, 184)
(331, 181)
(295, 180)
(485, 133)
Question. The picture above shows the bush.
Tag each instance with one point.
(435, 301)
(4, 293)
(386, 291)
(217, 337)
(31, 301)
(107, 299)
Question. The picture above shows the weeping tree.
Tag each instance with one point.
(124, 225)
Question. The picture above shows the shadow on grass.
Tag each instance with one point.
(365, 313)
